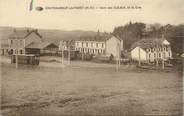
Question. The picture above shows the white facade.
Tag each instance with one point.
(137, 53)
(112, 46)
(152, 54)
(91, 47)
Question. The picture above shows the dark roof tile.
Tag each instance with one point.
(148, 43)
(39, 45)
(99, 38)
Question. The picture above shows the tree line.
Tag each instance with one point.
(133, 32)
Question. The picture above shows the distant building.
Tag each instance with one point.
(67, 45)
(114, 46)
(151, 49)
(100, 45)
(20, 39)
(91, 45)
(30, 42)
(42, 48)
(4, 47)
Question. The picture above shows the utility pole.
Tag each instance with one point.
(82, 54)
(69, 54)
(119, 54)
(163, 65)
(118, 58)
(156, 56)
(139, 57)
(62, 52)
(16, 58)
(69, 43)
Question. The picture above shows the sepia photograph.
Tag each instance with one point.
(91, 57)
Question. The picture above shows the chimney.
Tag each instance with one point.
(98, 33)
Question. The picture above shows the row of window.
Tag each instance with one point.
(17, 42)
(158, 49)
(91, 51)
(16, 51)
(159, 55)
(88, 44)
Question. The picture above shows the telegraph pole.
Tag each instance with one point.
(62, 52)
(16, 60)
(69, 54)
(139, 57)
(156, 56)
(69, 43)
(118, 58)
(163, 65)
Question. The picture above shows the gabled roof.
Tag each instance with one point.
(148, 43)
(40, 45)
(22, 34)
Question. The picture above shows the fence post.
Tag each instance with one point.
(163, 65)
(68, 56)
(16, 60)
(139, 57)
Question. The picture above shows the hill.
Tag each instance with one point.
(49, 34)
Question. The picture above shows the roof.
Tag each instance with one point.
(39, 45)
(21, 34)
(100, 38)
(148, 43)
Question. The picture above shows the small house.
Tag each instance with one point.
(20, 39)
(100, 45)
(151, 49)
(42, 48)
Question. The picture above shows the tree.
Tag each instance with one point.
(130, 33)
(175, 35)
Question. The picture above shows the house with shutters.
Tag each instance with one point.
(4, 47)
(151, 49)
(20, 39)
(100, 45)
(29, 42)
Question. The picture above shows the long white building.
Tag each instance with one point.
(100, 45)
(151, 49)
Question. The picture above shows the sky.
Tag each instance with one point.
(16, 13)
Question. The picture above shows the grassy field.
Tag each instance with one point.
(89, 91)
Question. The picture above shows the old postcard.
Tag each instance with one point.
(91, 57)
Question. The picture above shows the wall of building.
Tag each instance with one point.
(160, 53)
(152, 54)
(114, 46)
(17, 46)
(135, 54)
(91, 47)
(4, 51)
(16, 43)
